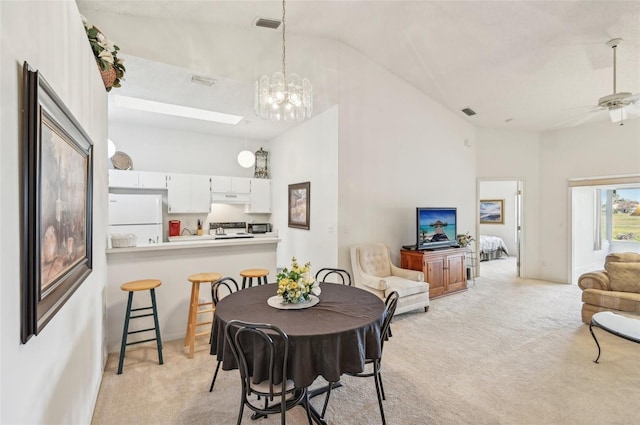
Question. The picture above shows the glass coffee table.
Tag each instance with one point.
(624, 327)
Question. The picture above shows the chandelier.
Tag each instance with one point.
(284, 97)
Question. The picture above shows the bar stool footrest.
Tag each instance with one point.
(140, 342)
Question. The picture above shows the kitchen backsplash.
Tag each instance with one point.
(219, 213)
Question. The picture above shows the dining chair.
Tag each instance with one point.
(220, 289)
(243, 338)
(332, 275)
(391, 304)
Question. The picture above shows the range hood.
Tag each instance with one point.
(230, 198)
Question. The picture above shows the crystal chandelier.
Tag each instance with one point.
(285, 97)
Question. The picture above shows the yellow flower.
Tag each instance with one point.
(296, 283)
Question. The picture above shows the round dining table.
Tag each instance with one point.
(333, 337)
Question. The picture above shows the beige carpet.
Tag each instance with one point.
(507, 351)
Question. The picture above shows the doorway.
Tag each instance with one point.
(501, 234)
(605, 218)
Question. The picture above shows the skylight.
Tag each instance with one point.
(175, 110)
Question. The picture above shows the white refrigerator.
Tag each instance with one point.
(137, 214)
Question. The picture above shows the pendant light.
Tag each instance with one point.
(284, 97)
(246, 158)
(111, 148)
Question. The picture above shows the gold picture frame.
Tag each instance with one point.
(492, 211)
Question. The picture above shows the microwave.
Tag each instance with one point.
(258, 227)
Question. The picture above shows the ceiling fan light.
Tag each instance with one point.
(617, 114)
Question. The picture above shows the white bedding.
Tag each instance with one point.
(492, 247)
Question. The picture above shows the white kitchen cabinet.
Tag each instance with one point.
(123, 178)
(152, 180)
(188, 193)
(222, 184)
(260, 197)
(130, 179)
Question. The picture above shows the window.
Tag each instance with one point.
(623, 217)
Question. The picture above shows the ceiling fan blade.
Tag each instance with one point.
(592, 114)
(633, 110)
(634, 98)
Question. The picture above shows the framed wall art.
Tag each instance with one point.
(299, 207)
(492, 211)
(57, 175)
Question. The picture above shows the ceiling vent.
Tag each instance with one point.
(469, 111)
(273, 24)
(200, 79)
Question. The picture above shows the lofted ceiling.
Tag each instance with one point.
(522, 65)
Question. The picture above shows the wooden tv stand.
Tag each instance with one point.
(444, 269)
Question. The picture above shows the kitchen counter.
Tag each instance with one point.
(192, 242)
(172, 263)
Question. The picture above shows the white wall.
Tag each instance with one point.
(308, 152)
(592, 150)
(54, 378)
(506, 154)
(398, 150)
(174, 151)
(506, 190)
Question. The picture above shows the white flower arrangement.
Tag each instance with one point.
(465, 239)
(296, 285)
(106, 54)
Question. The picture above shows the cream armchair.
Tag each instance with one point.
(374, 272)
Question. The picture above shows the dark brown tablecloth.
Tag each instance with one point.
(331, 338)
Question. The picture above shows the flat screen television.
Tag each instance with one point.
(436, 227)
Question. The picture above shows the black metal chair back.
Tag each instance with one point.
(219, 289)
(391, 304)
(332, 275)
(244, 338)
(223, 287)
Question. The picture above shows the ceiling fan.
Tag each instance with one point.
(619, 104)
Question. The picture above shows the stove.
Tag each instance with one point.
(229, 230)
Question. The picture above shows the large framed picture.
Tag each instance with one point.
(57, 175)
(492, 211)
(299, 196)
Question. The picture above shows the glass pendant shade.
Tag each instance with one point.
(278, 100)
(111, 148)
(246, 159)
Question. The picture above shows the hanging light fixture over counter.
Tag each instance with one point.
(246, 158)
(284, 97)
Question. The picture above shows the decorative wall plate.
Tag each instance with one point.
(121, 161)
(276, 302)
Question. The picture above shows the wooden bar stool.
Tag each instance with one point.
(251, 273)
(131, 287)
(195, 310)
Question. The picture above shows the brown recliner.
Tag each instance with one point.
(616, 288)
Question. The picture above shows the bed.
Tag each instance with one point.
(492, 247)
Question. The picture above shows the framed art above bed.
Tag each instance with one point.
(492, 211)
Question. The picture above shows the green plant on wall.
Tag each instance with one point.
(106, 55)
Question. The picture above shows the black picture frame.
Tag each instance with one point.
(56, 198)
(299, 205)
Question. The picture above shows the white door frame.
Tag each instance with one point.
(520, 217)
